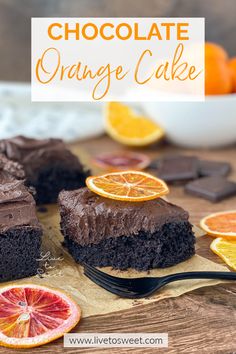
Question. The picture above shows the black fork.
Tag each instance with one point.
(134, 288)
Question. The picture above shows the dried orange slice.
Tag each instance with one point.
(119, 161)
(133, 186)
(124, 126)
(32, 315)
(226, 250)
(222, 224)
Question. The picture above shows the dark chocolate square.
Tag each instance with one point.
(213, 168)
(155, 164)
(177, 168)
(213, 188)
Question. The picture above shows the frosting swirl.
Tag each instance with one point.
(88, 218)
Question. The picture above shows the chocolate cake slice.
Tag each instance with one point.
(20, 231)
(142, 235)
(49, 166)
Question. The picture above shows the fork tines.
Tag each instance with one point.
(119, 286)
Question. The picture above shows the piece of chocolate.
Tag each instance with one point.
(213, 188)
(155, 164)
(213, 168)
(178, 168)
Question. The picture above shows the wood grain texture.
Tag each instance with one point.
(15, 22)
(203, 321)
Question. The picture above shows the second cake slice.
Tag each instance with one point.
(49, 166)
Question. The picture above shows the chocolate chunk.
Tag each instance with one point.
(155, 164)
(213, 168)
(213, 188)
(174, 169)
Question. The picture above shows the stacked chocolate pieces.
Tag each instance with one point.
(20, 231)
(49, 166)
(202, 178)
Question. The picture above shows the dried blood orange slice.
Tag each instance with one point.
(226, 250)
(32, 315)
(133, 186)
(118, 161)
(222, 224)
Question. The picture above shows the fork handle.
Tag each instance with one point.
(198, 275)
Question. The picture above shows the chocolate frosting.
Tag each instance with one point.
(88, 218)
(11, 168)
(17, 206)
(33, 154)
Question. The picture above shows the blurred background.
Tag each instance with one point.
(16, 110)
(15, 22)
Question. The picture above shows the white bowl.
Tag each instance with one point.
(197, 124)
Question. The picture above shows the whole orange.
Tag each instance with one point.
(218, 77)
(215, 51)
(232, 65)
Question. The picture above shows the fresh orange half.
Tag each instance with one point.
(226, 250)
(124, 126)
(33, 315)
(133, 186)
(222, 224)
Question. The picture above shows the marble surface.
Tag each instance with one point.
(69, 121)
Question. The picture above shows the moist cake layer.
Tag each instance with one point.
(170, 245)
(87, 218)
(20, 251)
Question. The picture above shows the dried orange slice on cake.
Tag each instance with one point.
(133, 186)
(33, 315)
(226, 250)
(222, 224)
(124, 126)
